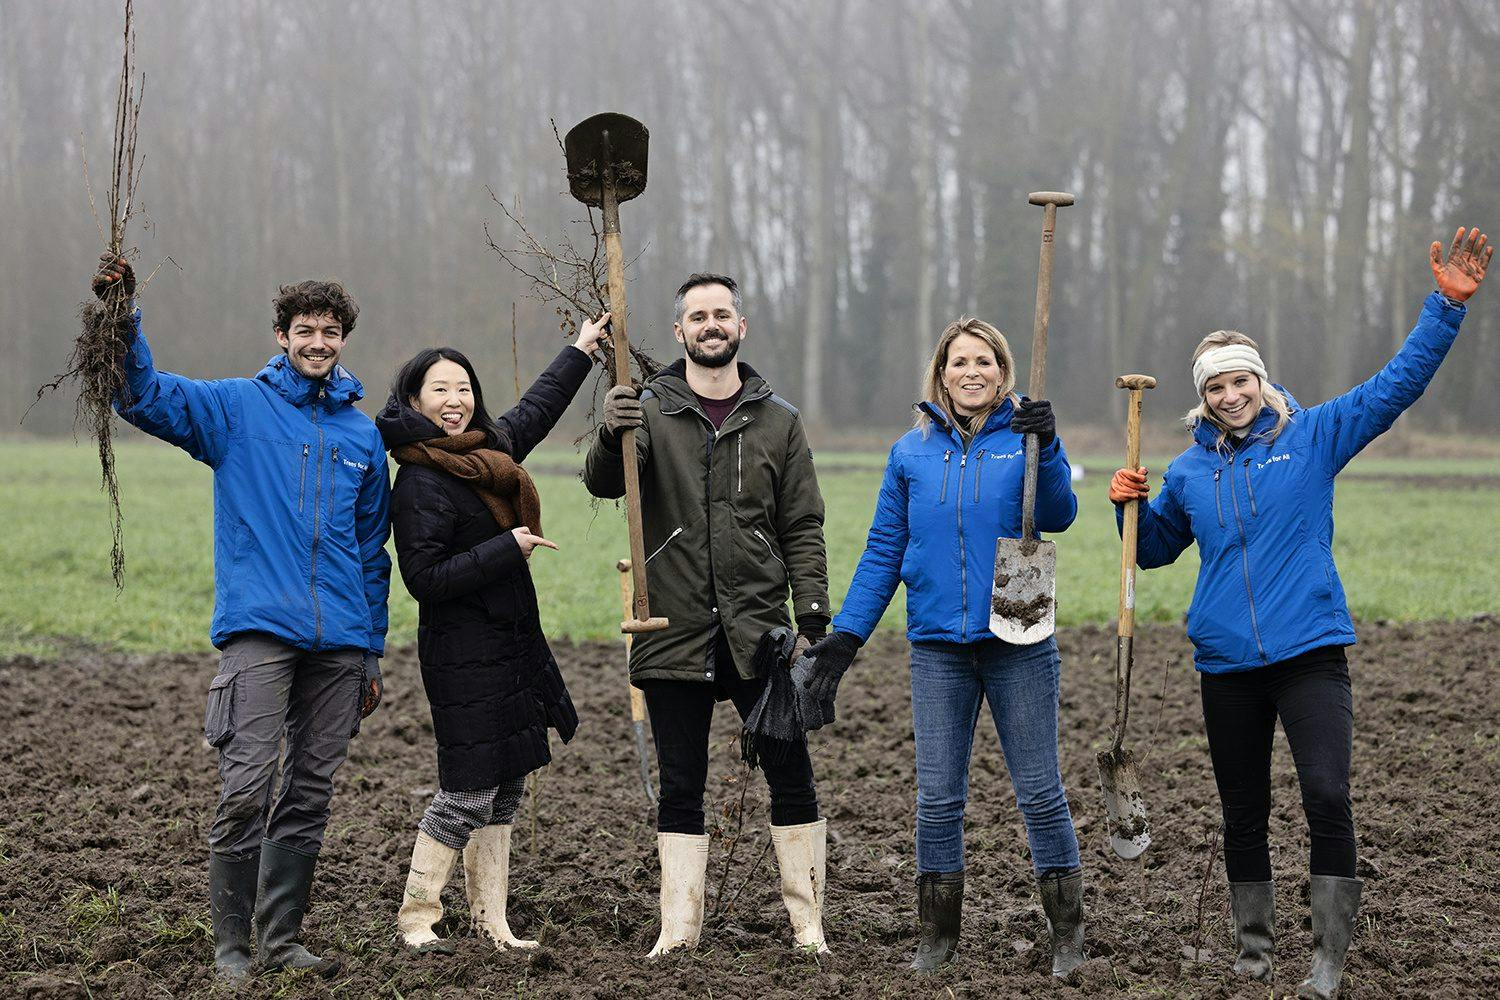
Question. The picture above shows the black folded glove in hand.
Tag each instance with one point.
(622, 412)
(830, 658)
(1034, 416)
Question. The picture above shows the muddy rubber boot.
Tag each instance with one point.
(940, 907)
(802, 857)
(684, 868)
(1335, 904)
(422, 901)
(487, 882)
(1254, 907)
(231, 900)
(1062, 901)
(285, 884)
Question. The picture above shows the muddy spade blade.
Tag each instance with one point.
(1023, 606)
(1129, 830)
(618, 139)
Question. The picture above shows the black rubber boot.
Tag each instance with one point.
(940, 907)
(231, 900)
(1335, 904)
(1062, 901)
(285, 884)
(1254, 906)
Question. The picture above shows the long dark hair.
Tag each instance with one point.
(407, 385)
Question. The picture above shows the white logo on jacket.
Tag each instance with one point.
(362, 467)
(1018, 453)
(1283, 457)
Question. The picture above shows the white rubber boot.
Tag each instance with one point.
(684, 868)
(487, 881)
(802, 856)
(422, 902)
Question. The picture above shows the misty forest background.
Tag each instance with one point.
(1276, 166)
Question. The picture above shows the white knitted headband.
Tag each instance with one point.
(1229, 358)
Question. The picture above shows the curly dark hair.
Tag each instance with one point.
(314, 298)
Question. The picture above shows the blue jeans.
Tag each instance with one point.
(948, 681)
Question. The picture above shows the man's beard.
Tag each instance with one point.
(700, 357)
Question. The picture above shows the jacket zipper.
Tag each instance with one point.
(1245, 562)
(1218, 504)
(978, 472)
(739, 463)
(943, 498)
(302, 481)
(333, 479)
(963, 553)
(768, 548)
(312, 583)
(1250, 489)
(675, 532)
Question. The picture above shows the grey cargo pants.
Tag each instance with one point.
(266, 689)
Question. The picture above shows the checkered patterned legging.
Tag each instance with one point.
(453, 816)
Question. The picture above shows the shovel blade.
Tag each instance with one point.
(584, 149)
(1023, 605)
(1129, 830)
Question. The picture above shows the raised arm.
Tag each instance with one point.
(1345, 424)
(529, 422)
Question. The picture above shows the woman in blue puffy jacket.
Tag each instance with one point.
(952, 487)
(1268, 619)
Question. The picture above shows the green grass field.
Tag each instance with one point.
(1405, 551)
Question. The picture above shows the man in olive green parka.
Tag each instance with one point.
(733, 521)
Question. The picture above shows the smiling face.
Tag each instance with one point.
(709, 328)
(313, 342)
(971, 375)
(447, 398)
(1234, 398)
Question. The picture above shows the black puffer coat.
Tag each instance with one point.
(490, 678)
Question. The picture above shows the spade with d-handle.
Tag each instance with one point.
(606, 157)
(1023, 605)
(637, 698)
(1129, 831)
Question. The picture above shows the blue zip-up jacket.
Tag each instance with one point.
(1262, 512)
(301, 497)
(940, 510)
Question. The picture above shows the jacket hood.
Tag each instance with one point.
(1207, 434)
(342, 388)
(672, 382)
(399, 424)
(1000, 418)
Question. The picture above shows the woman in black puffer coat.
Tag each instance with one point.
(466, 519)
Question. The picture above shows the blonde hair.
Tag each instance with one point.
(1269, 394)
(933, 390)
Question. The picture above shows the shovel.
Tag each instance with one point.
(1129, 830)
(1023, 606)
(606, 157)
(637, 699)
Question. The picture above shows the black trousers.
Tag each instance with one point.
(1310, 694)
(681, 713)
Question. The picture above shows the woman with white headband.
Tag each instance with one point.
(1268, 619)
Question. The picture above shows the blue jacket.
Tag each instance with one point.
(301, 497)
(940, 509)
(1262, 512)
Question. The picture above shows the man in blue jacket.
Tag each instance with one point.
(301, 576)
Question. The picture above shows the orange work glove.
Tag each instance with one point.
(1128, 485)
(1459, 276)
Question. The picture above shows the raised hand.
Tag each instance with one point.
(113, 272)
(1459, 276)
(589, 335)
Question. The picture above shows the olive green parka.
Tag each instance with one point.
(731, 519)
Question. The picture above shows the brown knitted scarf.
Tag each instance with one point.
(505, 487)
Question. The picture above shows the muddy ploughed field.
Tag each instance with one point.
(107, 789)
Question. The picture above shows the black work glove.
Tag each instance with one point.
(114, 270)
(831, 656)
(622, 412)
(374, 686)
(1034, 416)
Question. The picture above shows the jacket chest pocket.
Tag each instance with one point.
(747, 465)
(931, 480)
(1206, 499)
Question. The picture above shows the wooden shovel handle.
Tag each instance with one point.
(1037, 388)
(1128, 533)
